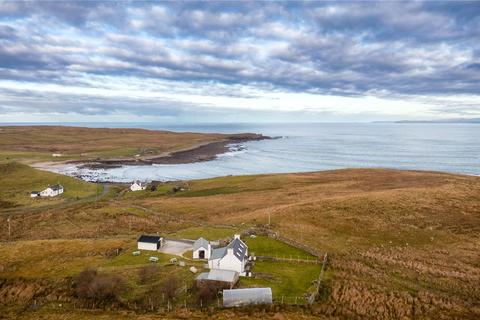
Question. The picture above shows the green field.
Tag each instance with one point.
(265, 246)
(285, 278)
(18, 180)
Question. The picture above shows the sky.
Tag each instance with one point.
(229, 61)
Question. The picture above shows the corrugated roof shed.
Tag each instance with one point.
(248, 296)
(219, 275)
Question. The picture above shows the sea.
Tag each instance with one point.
(305, 147)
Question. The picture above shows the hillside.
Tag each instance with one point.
(18, 180)
(39, 143)
(403, 244)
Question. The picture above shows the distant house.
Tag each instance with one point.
(52, 191)
(202, 249)
(247, 296)
(137, 185)
(152, 243)
(226, 278)
(35, 194)
(232, 257)
(56, 154)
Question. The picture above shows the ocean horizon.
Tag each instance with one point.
(306, 147)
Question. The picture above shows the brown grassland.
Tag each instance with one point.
(403, 244)
(38, 143)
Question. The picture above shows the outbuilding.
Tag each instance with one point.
(247, 297)
(226, 278)
(202, 249)
(152, 243)
(34, 194)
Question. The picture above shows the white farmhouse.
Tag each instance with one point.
(152, 243)
(51, 191)
(232, 257)
(34, 194)
(137, 185)
(202, 249)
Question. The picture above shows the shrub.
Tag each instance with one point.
(147, 273)
(208, 290)
(89, 284)
(170, 287)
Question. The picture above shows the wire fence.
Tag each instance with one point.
(290, 259)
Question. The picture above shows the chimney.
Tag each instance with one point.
(237, 236)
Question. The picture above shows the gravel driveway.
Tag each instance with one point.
(175, 247)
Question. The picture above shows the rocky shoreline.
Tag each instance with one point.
(201, 153)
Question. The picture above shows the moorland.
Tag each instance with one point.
(401, 244)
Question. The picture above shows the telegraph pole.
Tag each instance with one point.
(9, 227)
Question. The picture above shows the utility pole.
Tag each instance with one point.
(9, 228)
(269, 218)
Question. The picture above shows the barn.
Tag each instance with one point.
(152, 243)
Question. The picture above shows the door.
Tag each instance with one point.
(201, 254)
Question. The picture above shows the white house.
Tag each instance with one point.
(232, 257)
(202, 249)
(137, 185)
(52, 191)
(152, 243)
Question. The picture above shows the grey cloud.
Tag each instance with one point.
(341, 48)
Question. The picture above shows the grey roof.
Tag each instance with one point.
(218, 253)
(239, 248)
(56, 187)
(149, 239)
(200, 243)
(219, 275)
(248, 296)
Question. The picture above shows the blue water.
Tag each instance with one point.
(323, 146)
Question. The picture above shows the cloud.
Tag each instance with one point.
(343, 49)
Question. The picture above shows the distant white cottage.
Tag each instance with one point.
(137, 185)
(232, 257)
(50, 191)
(202, 249)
